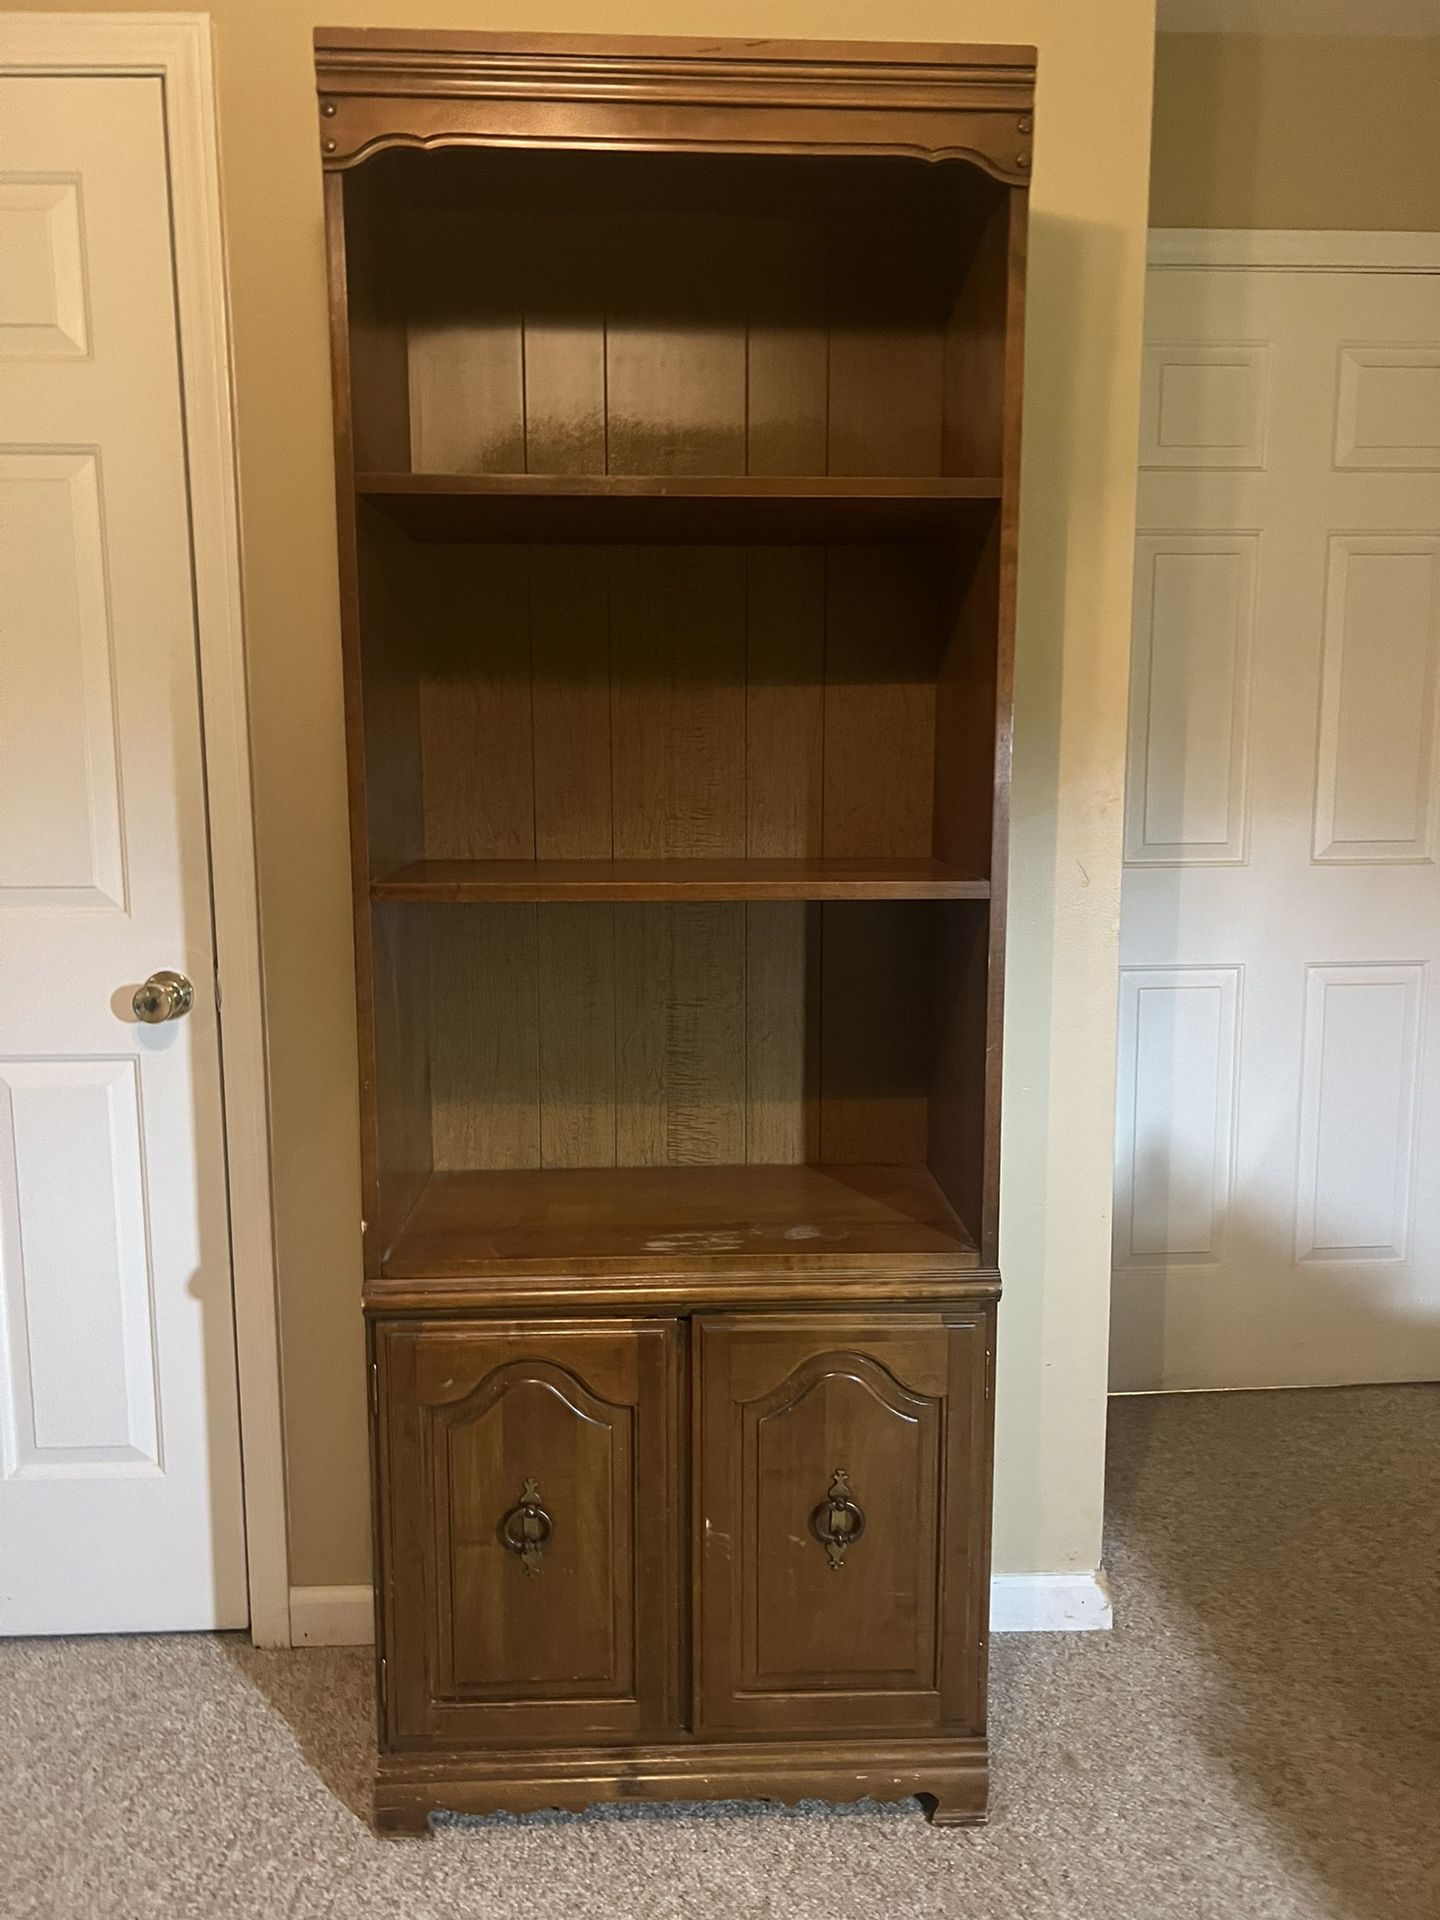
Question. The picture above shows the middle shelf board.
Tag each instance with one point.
(688, 510)
(478, 881)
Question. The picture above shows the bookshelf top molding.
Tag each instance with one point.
(384, 89)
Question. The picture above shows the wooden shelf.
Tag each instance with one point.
(576, 508)
(468, 1225)
(519, 880)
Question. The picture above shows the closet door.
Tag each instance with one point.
(843, 1473)
(529, 1493)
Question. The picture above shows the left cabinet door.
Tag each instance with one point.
(528, 1493)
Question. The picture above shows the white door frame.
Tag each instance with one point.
(176, 48)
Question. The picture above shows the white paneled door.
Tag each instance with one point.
(1277, 1210)
(120, 1493)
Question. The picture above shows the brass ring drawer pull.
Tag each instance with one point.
(837, 1523)
(528, 1529)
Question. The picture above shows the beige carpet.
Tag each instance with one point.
(1260, 1735)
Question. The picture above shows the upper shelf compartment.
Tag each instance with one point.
(667, 340)
(689, 510)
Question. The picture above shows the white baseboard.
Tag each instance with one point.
(1050, 1603)
(1019, 1603)
(331, 1617)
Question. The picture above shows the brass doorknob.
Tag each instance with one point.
(164, 996)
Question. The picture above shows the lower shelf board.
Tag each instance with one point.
(475, 1224)
(480, 881)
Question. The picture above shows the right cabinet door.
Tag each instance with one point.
(842, 1530)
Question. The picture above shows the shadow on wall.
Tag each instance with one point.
(1295, 1584)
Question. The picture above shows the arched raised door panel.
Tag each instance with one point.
(530, 1481)
(529, 1494)
(842, 1500)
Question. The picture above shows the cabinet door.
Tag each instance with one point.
(528, 1502)
(842, 1531)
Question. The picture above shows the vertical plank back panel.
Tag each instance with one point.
(378, 344)
(693, 702)
(875, 1033)
(484, 1035)
(569, 611)
(471, 608)
(886, 347)
(675, 345)
(787, 346)
(880, 658)
(467, 402)
(634, 1035)
(677, 648)
(782, 1033)
(679, 1035)
(575, 997)
(719, 323)
(564, 258)
(785, 702)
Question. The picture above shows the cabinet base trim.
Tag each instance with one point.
(951, 1777)
(1050, 1603)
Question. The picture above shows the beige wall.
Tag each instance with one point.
(1282, 130)
(1089, 216)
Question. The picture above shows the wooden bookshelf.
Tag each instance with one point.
(677, 393)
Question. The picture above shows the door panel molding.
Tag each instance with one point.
(1360, 1071)
(1376, 798)
(76, 858)
(1187, 804)
(177, 49)
(89, 1407)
